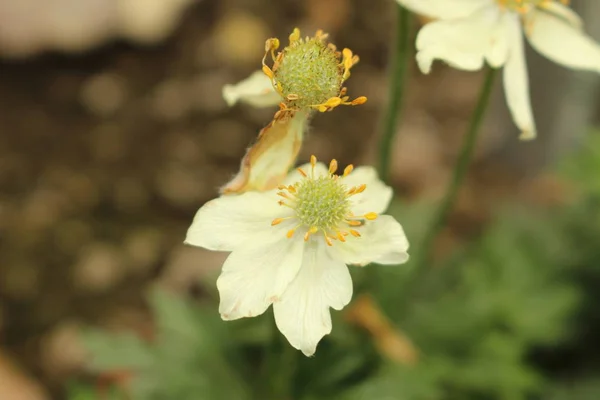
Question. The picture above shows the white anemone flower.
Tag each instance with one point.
(290, 247)
(467, 33)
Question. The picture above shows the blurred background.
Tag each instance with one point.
(113, 132)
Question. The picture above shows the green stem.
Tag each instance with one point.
(280, 367)
(460, 170)
(398, 68)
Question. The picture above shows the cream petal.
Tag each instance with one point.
(561, 42)
(497, 52)
(462, 43)
(382, 241)
(443, 9)
(228, 222)
(516, 82)
(256, 90)
(255, 276)
(302, 314)
(377, 195)
(563, 12)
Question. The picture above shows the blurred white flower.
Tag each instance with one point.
(32, 26)
(468, 33)
(290, 247)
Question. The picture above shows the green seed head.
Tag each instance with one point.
(321, 203)
(309, 73)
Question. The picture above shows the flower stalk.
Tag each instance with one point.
(458, 175)
(398, 68)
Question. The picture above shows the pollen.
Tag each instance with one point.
(310, 72)
(524, 6)
(322, 205)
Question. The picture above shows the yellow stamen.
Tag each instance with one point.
(330, 104)
(333, 166)
(267, 71)
(284, 195)
(359, 100)
(290, 233)
(370, 216)
(302, 172)
(354, 233)
(277, 221)
(311, 231)
(361, 188)
(348, 169)
(295, 35)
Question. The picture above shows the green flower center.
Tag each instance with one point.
(309, 73)
(322, 205)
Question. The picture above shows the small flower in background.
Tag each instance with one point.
(468, 33)
(306, 76)
(290, 246)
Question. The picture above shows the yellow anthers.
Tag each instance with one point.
(309, 73)
(348, 61)
(359, 100)
(277, 221)
(333, 166)
(295, 35)
(371, 216)
(524, 6)
(348, 169)
(322, 204)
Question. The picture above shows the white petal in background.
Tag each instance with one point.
(255, 90)
(443, 9)
(255, 276)
(382, 241)
(303, 314)
(228, 222)
(516, 82)
(562, 42)
(375, 198)
(463, 43)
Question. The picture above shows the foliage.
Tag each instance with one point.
(186, 360)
